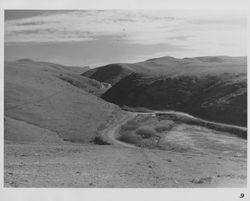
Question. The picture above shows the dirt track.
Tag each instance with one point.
(110, 135)
(123, 165)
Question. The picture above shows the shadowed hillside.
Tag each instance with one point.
(111, 74)
(49, 102)
(214, 88)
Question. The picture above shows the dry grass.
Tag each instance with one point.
(35, 95)
(161, 129)
(136, 132)
(131, 138)
(130, 125)
(146, 132)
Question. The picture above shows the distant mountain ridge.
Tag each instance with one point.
(76, 69)
(214, 88)
(169, 66)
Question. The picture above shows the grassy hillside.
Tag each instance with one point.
(170, 66)
(44, 101)
(111, 74)
(48, 66)
(214, 88)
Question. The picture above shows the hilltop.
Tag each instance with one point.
(51, 103)
(214, 88)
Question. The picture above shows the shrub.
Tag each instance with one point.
(98, 140)
(161, 129)
(130, 125)
(130, 138)
(145, 132)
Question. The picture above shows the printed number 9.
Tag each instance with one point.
(242, 195)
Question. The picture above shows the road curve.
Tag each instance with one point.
(189, 119)
(110, 135)
(112, 132)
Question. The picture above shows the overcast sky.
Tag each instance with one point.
(94, 37)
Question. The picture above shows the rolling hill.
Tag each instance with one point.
(214, 88)
(50, 103)
(111, 74)
(169, 66)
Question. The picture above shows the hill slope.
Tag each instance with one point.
(111, 74)
(52, 100)
(169, 66)
(214, 88)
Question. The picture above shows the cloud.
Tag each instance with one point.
(202, 29)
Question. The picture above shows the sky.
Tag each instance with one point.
(98, 37)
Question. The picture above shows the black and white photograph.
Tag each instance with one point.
(125, 98)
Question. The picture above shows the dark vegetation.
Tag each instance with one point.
(238, 131)
(135, 132)
(111, 74)
(146, 132)
(221, 99)
(161, 129)
(213, 88)
(130, 125)
(151, 132)
(100, 141)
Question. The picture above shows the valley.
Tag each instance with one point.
(164, 122)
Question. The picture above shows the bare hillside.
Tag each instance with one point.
(52, 101)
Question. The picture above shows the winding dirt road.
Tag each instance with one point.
(112, 132)
(211, 154)
(186, 118)
(220, 162)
